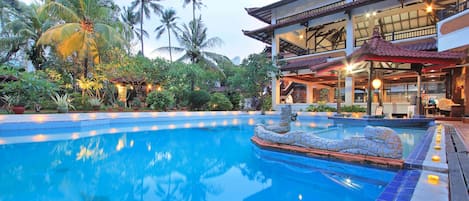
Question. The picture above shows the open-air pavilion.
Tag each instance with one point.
(378, 59)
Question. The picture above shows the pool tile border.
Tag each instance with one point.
(402, 187)
(417, 157)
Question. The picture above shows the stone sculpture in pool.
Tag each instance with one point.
(377, 141)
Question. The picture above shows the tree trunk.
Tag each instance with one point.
(85, 68)
(170, 54)
(193, 10)
(141, 24)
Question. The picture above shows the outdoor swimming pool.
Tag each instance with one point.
(208, 161)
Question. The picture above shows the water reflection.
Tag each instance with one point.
(209, 163)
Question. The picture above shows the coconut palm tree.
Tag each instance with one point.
(10, 42)
(195, 4)
(145, 6)
(194, 40)
(30, 26)
(85, 29)
(168, 23)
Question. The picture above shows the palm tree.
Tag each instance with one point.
(195, 4)
(10, 42)
(194, 40)
(30, 27)
(168, 20)
(145, 6)
(86, 28)
(129, 19)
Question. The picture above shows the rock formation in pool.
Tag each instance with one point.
(377, 141)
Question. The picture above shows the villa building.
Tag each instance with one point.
(315, 44)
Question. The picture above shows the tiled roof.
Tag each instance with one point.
(264, 34)
(265, 13)
(427, 45)
(303, 64)
(378, 49)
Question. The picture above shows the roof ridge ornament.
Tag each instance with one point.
(376, 32)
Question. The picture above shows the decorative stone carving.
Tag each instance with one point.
(377, 141)
(284, 124)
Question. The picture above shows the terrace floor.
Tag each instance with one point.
(462, 128)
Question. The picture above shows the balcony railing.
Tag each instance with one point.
(452, 10)
(312, 11)
(340, 45)
(400, 35)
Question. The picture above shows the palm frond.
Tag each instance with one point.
(166, 49)
(212, 42)
(58, 9)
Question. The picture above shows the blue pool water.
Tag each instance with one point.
(211, 163)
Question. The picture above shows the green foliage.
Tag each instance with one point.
(253, 76)
(95, 101)
(352, 108)
(199, 99)
(267, 105)
(160, 100)
(10, 101)
(136, 103)
(235, 99)
(320, 107)
(63, 102)
(219, 102)
(30, 88)
(81, 102)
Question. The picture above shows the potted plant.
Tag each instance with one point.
(63, 102)
(95, 103)
(14, 104)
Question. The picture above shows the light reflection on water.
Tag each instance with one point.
(208, 163)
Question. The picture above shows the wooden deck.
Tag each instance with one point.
(457, 138)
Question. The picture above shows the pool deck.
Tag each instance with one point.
(462, 128)
(458, 159)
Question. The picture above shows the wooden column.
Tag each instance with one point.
(339, 95)
(370, 94)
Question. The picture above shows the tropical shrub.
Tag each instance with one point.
(81, 102)
(199, 99)
(352, 108)
(320, 107)
(136, 103)
(219, 102)
(267, 104)
(30, 88)
(159, 100)
(63, 102)
(235, 99)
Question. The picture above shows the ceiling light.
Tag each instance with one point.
(429, 8)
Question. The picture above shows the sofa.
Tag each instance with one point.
(448, 108)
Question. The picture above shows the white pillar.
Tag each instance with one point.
(349, 90)
(349, 39)
(275, 82)
(309, 93)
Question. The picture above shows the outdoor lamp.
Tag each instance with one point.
(429, 8)
(349, 67)
(433, 179)
(376, 83)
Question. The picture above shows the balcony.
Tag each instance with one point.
(401, 35)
